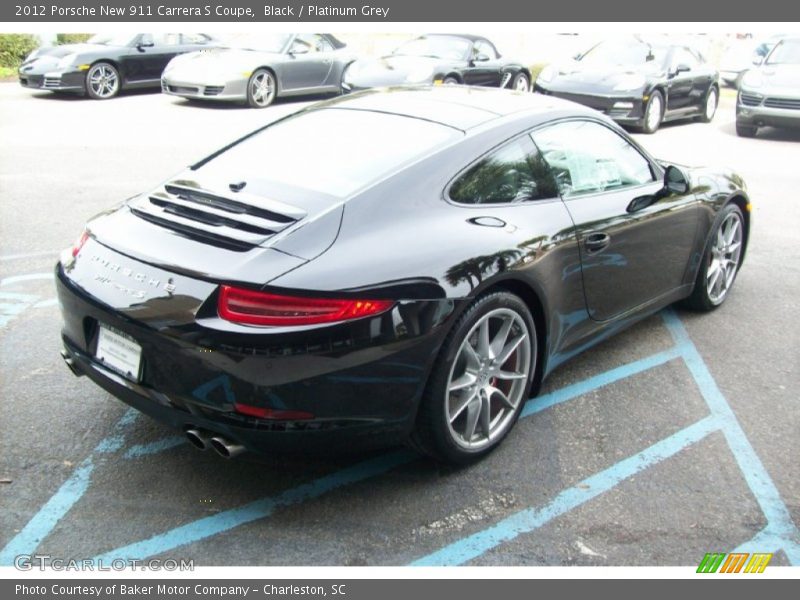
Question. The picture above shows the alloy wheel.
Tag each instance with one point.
(654, 109)
(711, 104)
(103, 81)
(724, 257)
(488, 379)
(262, 88)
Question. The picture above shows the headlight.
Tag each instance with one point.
(628, 83)
(547, 74)
(67, 61)
(419, 75)
(752, 79)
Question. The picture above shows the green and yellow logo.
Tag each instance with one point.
(717, 562)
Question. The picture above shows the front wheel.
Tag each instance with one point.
(654, 113)
(261, 89)
(102, 81)
(480, 382)
(746, 131)
(710, 106)
(720, 261)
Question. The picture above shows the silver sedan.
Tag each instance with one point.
(257, 69)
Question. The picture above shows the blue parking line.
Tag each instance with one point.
(140, 450)
(259, 509)
(779, 519)
(531, 519)
(538, 404)
(59, 504)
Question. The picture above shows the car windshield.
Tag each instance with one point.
(627, 53)
(111, 39)
(786, 52)
(333, 151)
(451, 48)
(263, 42)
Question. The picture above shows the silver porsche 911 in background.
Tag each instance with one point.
(255, 69)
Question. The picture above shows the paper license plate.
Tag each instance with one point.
(119, 352)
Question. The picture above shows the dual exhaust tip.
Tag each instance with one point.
(203, 440)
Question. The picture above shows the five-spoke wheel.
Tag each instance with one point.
(102, 81)
(261, 89)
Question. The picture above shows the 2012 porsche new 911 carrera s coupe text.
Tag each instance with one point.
(416, 284)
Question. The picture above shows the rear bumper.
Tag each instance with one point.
(362, 392)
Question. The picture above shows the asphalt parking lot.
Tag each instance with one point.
(679, 437)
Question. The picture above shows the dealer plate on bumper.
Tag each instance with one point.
(119, 351)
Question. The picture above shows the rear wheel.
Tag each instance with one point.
(720, 262)
(261, 89)
(450, 80)
(480, 382)
(521, 83)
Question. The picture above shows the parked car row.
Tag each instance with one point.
(639, 82)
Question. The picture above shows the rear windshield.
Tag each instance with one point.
(335, 151)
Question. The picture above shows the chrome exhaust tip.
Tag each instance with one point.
(197, 438)
(226, 448)
(71, 364)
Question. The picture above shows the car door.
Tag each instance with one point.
(628, 257)
(682, 75)
(310, 59)
(150, 56)
(484, 65)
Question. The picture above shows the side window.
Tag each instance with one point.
(482, 47)
(162, 39)
(587, 157)
(514, 173)
(311, 43)
(683, 56)
(194, 38)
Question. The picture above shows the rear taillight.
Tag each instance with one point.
(260, 308)
(79, 243)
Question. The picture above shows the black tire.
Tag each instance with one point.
(450, 80)
(650, 124)
(102, 81)
(433, 434)
(517, 82)
(701, 300)
(705, 117)
(268, 78)
(746, 131)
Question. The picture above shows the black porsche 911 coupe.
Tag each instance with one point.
(447, 59)
(416, 284)
(108, 63)
(637, 82)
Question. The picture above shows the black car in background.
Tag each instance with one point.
(107, 63)
(637, 82)
(417, 283)
(440, 59)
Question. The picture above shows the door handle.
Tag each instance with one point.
(595, 242)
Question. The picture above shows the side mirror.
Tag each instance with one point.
(299, 49)
(682, 68)
(142, 45)
(481, 57)
(675, 180)
(758, 60)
